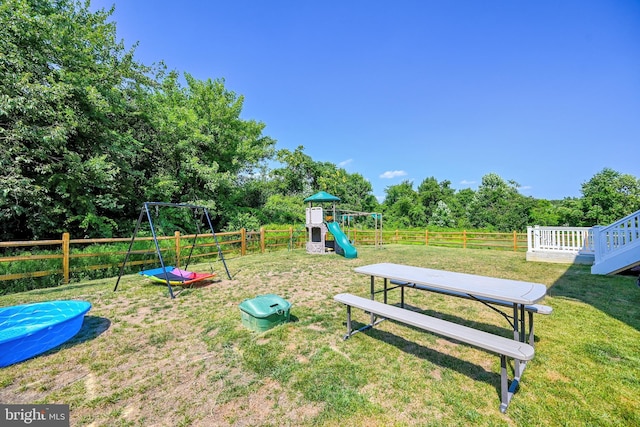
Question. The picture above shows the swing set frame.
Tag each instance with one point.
(346, 216)
(145, 211)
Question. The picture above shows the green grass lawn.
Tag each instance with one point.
(143, 359)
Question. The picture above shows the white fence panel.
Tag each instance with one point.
(560, 239)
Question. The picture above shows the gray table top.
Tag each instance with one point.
(515, 291)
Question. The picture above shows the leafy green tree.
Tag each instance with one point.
(402, 207)
(202, 151)
(281, 209)
(67, 119)
(89, 133)
(460, 207)
(609, 196)
(430, 192)
(442, 216)
(354, 191)
(570, 213)
(394, 193)
(246, 220)
(543, 212)
(298, 176)
(498, 205)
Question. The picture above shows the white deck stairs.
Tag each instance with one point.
(617, 246)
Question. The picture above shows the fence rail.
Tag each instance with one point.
(67, 259)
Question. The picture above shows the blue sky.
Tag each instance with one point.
(544, 93)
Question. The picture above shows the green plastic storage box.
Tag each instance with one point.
(264, 312)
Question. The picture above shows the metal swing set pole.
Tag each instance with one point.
(126, 257)
(155, 241)
(215, 238)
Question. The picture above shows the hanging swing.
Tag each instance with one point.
(169, 274)
(177, 276)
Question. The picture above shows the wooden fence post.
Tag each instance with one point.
(464, 239)
(65, 257)
(176, 236)
(515, 241)
(291, 243)
(397, 236)
(426, 237)
(262, 238)
(243, 243)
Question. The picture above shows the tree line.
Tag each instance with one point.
(89, 133)
(498, 205)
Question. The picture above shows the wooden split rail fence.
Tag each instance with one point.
(67, 257)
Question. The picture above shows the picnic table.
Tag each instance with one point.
(491, 291)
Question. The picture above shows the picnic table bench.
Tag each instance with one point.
(505, 347)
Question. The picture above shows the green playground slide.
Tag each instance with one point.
(343, 245)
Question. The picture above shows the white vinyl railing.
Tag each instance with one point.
(617, 237)
(560, 239)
